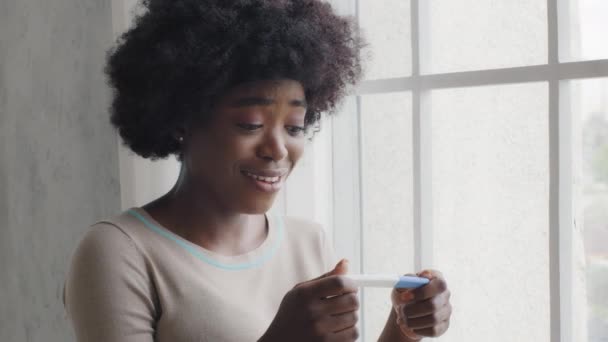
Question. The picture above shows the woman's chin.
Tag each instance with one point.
(258, 206)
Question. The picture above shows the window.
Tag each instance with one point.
(478, 145)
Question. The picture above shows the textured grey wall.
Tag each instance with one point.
(58, 154)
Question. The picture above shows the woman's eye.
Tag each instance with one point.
(249, 127)
(295, 130)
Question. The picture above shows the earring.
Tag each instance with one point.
(180, 139)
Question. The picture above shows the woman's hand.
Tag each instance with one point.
(424, 311)
(306, 313)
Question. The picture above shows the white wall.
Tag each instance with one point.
(58, 163)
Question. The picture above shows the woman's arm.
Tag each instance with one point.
(108, 295)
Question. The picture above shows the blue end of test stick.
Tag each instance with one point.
(388, 280)
(410, 282)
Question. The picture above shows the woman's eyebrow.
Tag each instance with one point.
(263, 101)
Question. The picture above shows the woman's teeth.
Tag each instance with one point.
(263, 179)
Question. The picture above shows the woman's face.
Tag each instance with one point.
(243, 154)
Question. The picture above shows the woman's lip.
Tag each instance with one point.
(267, 172)
(265, 186)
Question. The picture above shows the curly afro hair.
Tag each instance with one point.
(181, 55)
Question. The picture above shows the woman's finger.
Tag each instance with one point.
(426, 307)
(436, 286)
(434, 331)
(428, 321)
(348, 334)
(340, 304)
(343, 321)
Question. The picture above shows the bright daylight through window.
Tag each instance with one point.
(478, 146)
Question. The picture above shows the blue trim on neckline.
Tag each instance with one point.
(188, 246)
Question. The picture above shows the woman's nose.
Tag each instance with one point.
(273, 146)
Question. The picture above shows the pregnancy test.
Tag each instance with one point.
(388, 280)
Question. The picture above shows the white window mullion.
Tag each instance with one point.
(532, 73)
(555, 236)
(555, 283)
(361, 211)
(360, 144)
(422, 186)
(564, 215)
(560, 213)
(417, 181)
(416, 148)
(425, 241)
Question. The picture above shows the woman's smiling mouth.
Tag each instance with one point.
(266, 180)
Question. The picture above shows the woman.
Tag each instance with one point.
(231, 87)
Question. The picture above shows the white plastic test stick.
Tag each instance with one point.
(388, 280)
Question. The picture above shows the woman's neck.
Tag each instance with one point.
(193, 215)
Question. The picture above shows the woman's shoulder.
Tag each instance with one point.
(110, 238)
(105, 238)
(107, 275)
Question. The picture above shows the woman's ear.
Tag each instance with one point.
(179, 134)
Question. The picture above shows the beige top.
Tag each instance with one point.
(133, 280)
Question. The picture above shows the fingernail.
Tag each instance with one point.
(407, 296)
(426, 274)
